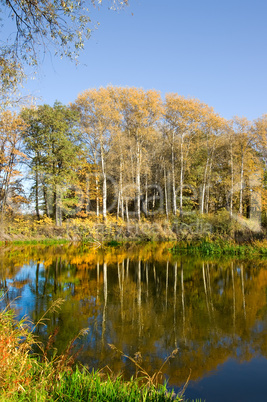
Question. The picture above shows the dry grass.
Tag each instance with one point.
(155, 379)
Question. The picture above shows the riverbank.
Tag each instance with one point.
(192, 228)
(203, 248)
(25, 376)
(224, 237)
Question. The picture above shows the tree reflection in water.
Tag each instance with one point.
(145, 300)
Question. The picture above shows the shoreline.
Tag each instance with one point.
(205, 247)
(198, 234)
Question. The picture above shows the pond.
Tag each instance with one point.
(148, 302)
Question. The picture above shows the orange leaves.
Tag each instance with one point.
(97, 109)
(11, 127)
(140, 106)
(189, 113)
(113, 107)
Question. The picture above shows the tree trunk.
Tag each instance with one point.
(118, 204)
(46, 201)
(104, 185)
(55, 207)
(173, 183)
(232, 179)
(181, 176)
(37, 194)
(127, 209)
(97, 196)
(60, 211)
(121, 188)
(204, 187)
(96, 187)
(166, 193)
(209, 175)
(87, 200)
(138, 180)
(241, 185)
(146, 198)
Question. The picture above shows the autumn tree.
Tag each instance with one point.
(124, 150)
(211, 128)
(119, 161)
(260, 133)
(183, 121)
(243, 152)
(99, 121)
(11, 155)
(141, 111)
(228, 157)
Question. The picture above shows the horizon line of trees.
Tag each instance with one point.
(128, 152)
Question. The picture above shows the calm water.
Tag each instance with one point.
(144, 299)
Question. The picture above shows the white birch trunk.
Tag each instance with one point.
(181, 175)
(138, 180)
(173, 184)
(241, 185)
(104, 184)
(166, 194)
(232, 179)
(204, 187)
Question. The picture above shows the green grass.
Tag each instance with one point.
(49, 242)
(85, 386)
(113, 243)
(221, 248)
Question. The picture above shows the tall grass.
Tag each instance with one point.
(25, 376)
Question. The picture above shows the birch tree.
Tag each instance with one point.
(211, 128)
(141, 113)
(183, 118)
(243, 142)
(99, 121)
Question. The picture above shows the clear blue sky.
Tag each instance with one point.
(212, 50)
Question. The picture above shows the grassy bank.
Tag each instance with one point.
(25, 376)
(93, 229)
(219, 247)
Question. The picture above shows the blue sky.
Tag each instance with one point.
(215, 51)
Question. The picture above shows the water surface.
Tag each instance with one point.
(144, 299)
